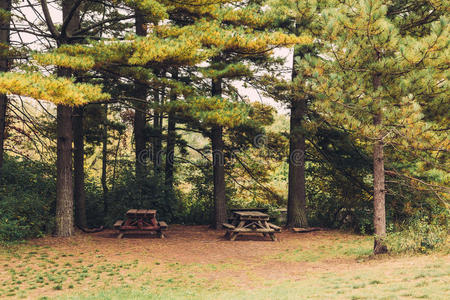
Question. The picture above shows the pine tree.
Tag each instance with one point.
(65, 93)
(245, 37)
(298, 18)
(375, 79)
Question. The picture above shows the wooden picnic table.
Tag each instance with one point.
(140, 221)
(250, 221)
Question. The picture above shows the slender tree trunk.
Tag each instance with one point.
(4, 66)
(64, 183)
(220, 208)
(157, 143)
(78, 166)
(139, 113)
(64, 180)
(379, 191)
(379, 211)
(105, 162)
(171, 140)
(296, 214)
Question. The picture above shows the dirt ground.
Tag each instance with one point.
(193, 255)
(189, 244)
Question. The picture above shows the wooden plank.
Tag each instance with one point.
(229, 226)
(251, 214)
(131, 211)
(273, 237)
(253, 218)
(140, 212)
(118, 224)
(310, 229)
(258, 230)
(163, 225)
(273, 226)
(263, 210)
(143, 228)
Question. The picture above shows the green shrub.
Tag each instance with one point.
(149, 192)
(27, 200)
(419, 236)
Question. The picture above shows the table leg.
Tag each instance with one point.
(233, 236)
(120, 235)
(273, 237)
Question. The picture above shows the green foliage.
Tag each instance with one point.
(148, 192)
(27, 200)
(419, 235)
(197, 203)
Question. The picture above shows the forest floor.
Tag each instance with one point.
(194, 262)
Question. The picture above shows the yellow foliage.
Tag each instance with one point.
(58, 90)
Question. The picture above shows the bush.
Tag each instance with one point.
(149, 192)
(419, 236)
(27, 200)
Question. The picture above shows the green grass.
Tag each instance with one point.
(355, 248)
(327, 266)
(376, 282)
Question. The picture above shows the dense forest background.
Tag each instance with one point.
(150, 95)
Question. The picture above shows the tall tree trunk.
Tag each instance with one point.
(171, 140)
(379, 191)
(139, 113)
(64, 183)
(105, 162)
(220, 208)
(296, 214)
(64, 180)
(78, 166)
(4, 66)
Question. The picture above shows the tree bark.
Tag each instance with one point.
(379, 210)
(296, 211)
(139, 113)
(64, 183)
(171, 140)
(64, 180)
(105, 162)
(4, 67)
(220, 208)
(157, 143)
(78, 162)
(379, 190)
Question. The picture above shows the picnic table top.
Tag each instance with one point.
(250, 213)
(261, 209)
(141, 212)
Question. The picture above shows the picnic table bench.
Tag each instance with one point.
(140, 221)
(250, 221)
